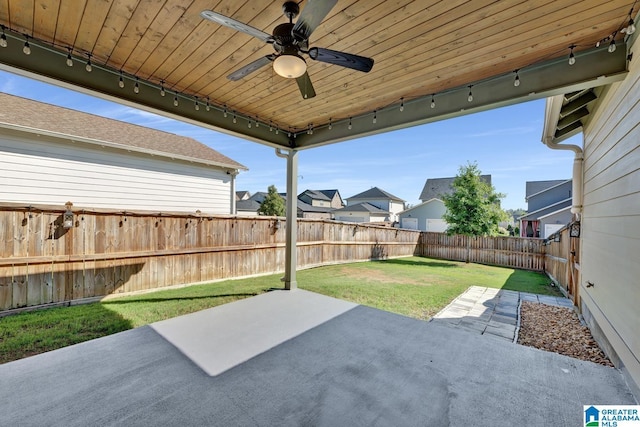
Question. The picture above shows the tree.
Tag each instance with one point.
(273, 204)
(473, 209)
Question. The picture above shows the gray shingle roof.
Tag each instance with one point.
(33, 115)
(316, 195)
(435, 188)
(362, 207)
(375, 193)
(247, 205)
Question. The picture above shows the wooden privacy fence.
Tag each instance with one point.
(562, 262)
(105, 253)
(516, 252)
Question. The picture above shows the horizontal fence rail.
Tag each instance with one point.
(106, 252)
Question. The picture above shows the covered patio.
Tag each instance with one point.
(351, 365)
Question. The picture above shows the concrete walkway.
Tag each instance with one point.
(260, 362)
(492, 312)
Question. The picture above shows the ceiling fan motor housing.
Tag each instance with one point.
(291, 10)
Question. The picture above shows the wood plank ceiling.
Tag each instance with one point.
(420, 48)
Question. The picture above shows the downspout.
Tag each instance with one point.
(552, 111)
(232, 207)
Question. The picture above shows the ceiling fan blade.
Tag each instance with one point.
(305, 86)
(236, 25)
(250, 68)
(348, 60)
(310, 17)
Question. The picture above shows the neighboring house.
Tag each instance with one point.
(426, 216)
(435, 188)
(304, 210)
(361, 212)
(548, 208)
(380, 199)
(336, 199)
(318, 203)
(315, 198)
(50, 155)
(247, 208)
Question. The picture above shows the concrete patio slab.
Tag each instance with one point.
(364, 367)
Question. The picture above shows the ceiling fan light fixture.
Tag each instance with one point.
(290, 65)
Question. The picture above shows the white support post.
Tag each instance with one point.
(291, 231)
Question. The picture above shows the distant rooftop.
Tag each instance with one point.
(435, 188)
(375, 193)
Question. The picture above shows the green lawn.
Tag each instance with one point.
(416, 287)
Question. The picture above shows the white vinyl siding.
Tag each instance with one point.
(611, 219)
(46, 172)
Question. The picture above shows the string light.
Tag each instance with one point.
(401, 104)
(572, 57)
(330, 124)
(612, 45)
(136, 87)
(433, 101)
(224, 113)
(26, 49)
(121, 81)
(69, 58)
(175, 100)
(470, 97)
(277, 130)
(257, 122)
(516, 81)
(235, 120)
(208, 107)
(631, 28)
(195, 103)
(3, 38)
(375, 116)
(88, 67)
(249, 124)
(350, 124)
(270, 126)
(162, 91)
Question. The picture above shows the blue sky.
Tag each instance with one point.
(504, 142)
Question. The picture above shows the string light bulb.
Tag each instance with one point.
(27, 48)
(235, 120)
(612, 45)
(375, 116)
(631, 28)
(572, 57)
(224, 112)
(3, 38)
(208, 105)
(175, 100)
(121, 81)
(196, 105)
(162, 91)
(69, 58)
(516, 81)
(470, 97)
(136, 87)
(433, 102)
(350, 124)
(330, 123)
(88, 67)
(401, 104)
(270, 126)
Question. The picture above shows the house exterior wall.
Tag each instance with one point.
(610, 233)
(549, 197)
(561, 219)
(336, 201)
(51, 172)
(433, 209)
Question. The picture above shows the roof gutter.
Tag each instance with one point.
(551, 114)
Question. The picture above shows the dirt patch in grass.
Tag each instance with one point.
(559, 330)
(372, 275)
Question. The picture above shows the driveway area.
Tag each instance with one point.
(299, 358)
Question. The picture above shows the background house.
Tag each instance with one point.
(435, 188)
(50, 155)
(385, 202)
(426, 216)
(317, 204)
(548, 208)
(361, 212)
